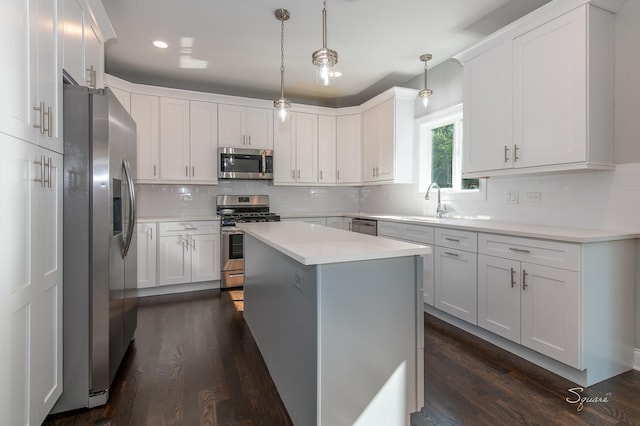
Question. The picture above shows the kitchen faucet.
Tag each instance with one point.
(442, 208)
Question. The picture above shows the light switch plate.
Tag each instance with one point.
(511, 197)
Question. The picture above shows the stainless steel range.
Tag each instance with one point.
(238, 209)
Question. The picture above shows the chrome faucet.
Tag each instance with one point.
(442, 208)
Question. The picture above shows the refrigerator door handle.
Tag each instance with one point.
(132, 206)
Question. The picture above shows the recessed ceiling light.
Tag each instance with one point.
(160, 44)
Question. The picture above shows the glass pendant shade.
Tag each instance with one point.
(282, 104)
(324, 59)
(425, 94)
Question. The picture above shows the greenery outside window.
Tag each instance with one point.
(440, 156)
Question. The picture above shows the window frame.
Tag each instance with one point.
(423, 126)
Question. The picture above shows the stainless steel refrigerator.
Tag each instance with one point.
(100, 259)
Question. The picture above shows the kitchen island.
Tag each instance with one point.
(338, 318)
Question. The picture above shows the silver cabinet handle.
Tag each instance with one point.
(151, 232)
(185, 244)
(41, 163)
(186, 171)
(506, 150)
(320, 174)
(519, 250)
(154, 169)
(249, 140)
(455, 240)
(451, 254)
(236, 275)
(49, 115)
(193, 244)
(337, 174)
(515, 153)
(524, 280)
(244, 139)
(193, 171)
(50, 166)
(293, 174)
(298, 173)
(513, 281)
(40, 110)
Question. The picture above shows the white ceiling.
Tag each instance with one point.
(233, 46)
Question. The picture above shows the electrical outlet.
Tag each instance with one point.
(511, 197)
(533, 197)
(298, 281)
(284, 198)
(186, 197)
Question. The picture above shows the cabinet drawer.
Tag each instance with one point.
(461, 240)
(195, 227)
(390, 229)
(420, 234)
(541, 252)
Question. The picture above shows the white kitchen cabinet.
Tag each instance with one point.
(349, 149)
(174, 139)
(31, 299)
(335, 222)
(537, 100)
(32, 92)
(83, 44)
(203, 141)
(418, 234)
(295, 154)
(455, 270)
(388, 137)
(145, 110)
(147, 254)
(245, 127)
(347, 223)
(326, 149)
(188, 252)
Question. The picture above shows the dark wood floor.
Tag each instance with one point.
(194, 362)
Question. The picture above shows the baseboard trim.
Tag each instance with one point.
(636, 360)
(177, 288)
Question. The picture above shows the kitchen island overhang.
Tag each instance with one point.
(338, 318)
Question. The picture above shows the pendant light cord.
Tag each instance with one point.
(282, 59)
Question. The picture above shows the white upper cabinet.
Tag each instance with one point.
(539, 97)
(145, 110)
(32, 94)
(204, 141)
(295, 154)
(348, 149)
(388, 137)
(326, 149)
(174, 139)
(245, 127)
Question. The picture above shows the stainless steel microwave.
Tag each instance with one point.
(240, 163)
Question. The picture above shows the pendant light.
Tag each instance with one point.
(426, 93)
(283, 104)
(324, 59)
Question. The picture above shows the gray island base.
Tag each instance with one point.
(342, 339)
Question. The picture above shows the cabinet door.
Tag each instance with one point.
(205, 257)
(73, 40)
(306, 139)
(174, 139)
(231, 126)
(204, 141)
(488, 94)
(259, 128)
(551, 312)
(550, 92)
(284, 151)
(456, 283)
(387, 141)
(335, 222)
(147, 251)
(499, 296)
(326, 149)
(428, 277)
(174, 260)
(94, 56)
(370, 144)
(349, 149)
(145, 110)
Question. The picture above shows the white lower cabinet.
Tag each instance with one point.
(533, 304)
(414, 234)
(188, 252)
(147, 254)
(314, 220)
(31, 289)
(455, 283)
(335, 222)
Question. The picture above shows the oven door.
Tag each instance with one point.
(232, 257)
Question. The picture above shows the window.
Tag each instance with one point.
(440, 159)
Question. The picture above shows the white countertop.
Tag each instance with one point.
(312, 244)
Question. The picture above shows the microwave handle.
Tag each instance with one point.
(264, 162)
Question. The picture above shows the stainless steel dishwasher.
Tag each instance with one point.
(364, 226)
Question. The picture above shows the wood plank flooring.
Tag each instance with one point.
(194, 362)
